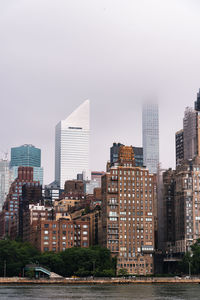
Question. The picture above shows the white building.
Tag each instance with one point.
(6, 178)
(72, 145)
(150, 137)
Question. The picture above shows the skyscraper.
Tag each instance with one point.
(27, 156)
(179, 139)
(72, 145)
(150, 136)
(6, 179)
(190, 133)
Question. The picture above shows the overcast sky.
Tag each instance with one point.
(54, 54)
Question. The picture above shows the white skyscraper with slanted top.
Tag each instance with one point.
(72, 145)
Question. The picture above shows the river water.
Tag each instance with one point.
(132, 291)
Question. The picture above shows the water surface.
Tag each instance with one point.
(117, 292)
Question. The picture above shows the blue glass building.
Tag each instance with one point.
(27, 156)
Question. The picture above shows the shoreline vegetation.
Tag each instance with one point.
(19, 263)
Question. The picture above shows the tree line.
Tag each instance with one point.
(93, 261)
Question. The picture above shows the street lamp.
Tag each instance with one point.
(189, 262)
(4, 268)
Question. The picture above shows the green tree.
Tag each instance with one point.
(191, 260)
(15, 255)
(122, 272)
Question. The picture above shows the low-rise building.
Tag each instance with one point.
(61, 234)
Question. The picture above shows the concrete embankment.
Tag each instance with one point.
(17, 280)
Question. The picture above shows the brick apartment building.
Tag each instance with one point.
(61, 234)
(9, 217)
(182, 206)
(128, 195)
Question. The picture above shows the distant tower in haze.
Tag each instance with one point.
(150, 136)
(72, 145)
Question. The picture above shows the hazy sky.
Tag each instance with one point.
(54, 54)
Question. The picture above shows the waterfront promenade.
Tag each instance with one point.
(90, 281)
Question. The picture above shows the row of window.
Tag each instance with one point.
(66, 226)
(129, 172)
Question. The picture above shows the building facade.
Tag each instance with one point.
(6, 178)
(179, 140)
(62, 234)
(182, 206)
(190, 128)
(9, 217)
(128, 214)
(138, 154)
(27, 156)
(96, 176)
(72, 145)
(114, 152)
(150, 137)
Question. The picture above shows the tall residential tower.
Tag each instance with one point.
(128, 214)
(72, 145)
(150, 136)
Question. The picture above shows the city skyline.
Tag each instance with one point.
(116, 55)
(107, 149)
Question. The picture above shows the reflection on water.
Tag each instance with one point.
(131, 291)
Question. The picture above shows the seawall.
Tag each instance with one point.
(151, 280)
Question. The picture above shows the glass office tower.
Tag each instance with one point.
(27, 156)
(150, 136)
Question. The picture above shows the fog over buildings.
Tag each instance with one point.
(54, 54)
